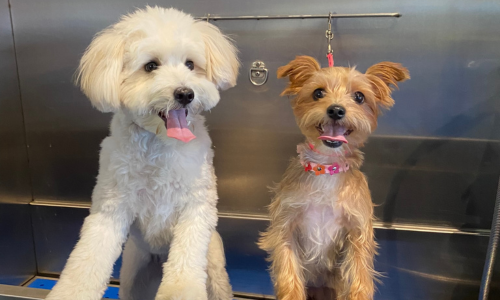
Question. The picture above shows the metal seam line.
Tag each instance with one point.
(259, 217)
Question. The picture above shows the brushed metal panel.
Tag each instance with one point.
(450, 47)
(56, 231)
(17, 261)
(420, 265)
(416, 172)
(17, 257)
(437, 181)
(16, 292)
(412, 180)
(14, 173)
(416, 265)
(254, 132)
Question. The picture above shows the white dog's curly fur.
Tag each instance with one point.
(157, 191)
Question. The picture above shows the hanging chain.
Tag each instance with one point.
(329, 33)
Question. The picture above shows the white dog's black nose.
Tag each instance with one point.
(184, 95)
(335, 112)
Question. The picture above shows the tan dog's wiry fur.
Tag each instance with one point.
(320, 239)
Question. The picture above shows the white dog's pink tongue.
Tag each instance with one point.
(333, 133)
(177, 127)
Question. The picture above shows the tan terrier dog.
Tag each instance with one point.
(320, 239)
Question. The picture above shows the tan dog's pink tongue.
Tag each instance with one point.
(333, 133)
(177, 127)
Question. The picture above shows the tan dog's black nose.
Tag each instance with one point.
(184, 95)
(335, 112)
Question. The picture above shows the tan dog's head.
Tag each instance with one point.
(338, 106)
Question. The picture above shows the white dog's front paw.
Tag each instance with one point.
(185, 291)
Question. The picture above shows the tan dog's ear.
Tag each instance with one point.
(384, 77)
(100, 67)
(298, 71)
(222, 56)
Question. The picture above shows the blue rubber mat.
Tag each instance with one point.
(48, 284)
(248, 275)
(241, 281)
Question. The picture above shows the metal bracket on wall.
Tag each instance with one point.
(210, 17)
(258, 73)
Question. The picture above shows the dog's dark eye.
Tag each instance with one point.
(190, 65)
(318, 94)
(359, 97)
(151, 66)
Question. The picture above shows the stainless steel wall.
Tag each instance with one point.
(435, 158)
(450, 47)
(17, 253)
(14, 172)
(416, 265)
(17, 260)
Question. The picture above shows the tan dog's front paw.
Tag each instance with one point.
(185, 291)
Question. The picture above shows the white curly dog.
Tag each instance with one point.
(156, 70)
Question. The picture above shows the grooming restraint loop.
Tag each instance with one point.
(329, 37)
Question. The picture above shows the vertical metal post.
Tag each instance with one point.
(492, 249)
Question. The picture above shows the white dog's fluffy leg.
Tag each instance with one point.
(90, 265)
(184, 273)
(218, 281)
(134, 259)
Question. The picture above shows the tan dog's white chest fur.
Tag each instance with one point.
(319, 228)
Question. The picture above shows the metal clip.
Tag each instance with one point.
(258, 73)
(329, 33)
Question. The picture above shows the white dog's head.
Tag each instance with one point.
(158, 65)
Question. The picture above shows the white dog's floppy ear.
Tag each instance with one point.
(222, 60)
(99, 72)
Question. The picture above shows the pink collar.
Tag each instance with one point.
(319, 169)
